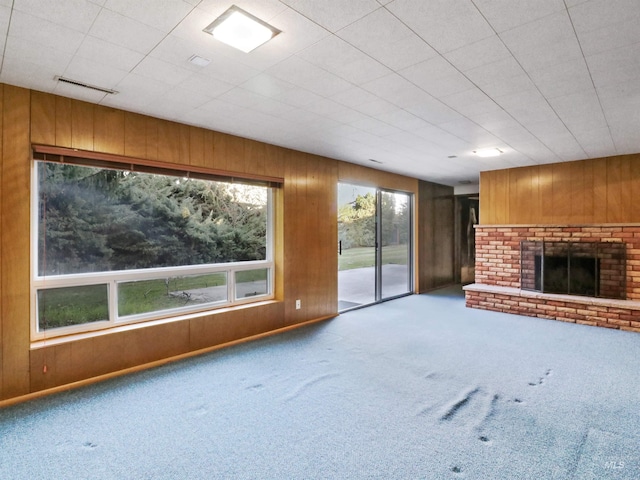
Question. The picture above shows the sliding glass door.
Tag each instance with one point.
(395, 244)
(374, 245)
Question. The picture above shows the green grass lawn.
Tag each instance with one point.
(361, 257)
(61, 307)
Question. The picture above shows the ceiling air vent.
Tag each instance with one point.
(85, 85)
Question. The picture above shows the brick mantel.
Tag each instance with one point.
(497, 284)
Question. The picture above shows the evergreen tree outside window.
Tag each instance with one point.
(115, 246)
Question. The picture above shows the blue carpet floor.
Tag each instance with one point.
(415, 388)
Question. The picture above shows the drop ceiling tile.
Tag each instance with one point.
(186, 97)
(580, 110)
(265, 10)
(376, 127)
(402, 119)
(437, 77)
(138, 90)
(395, 89)
(471, 103)
(495, 73)
(123, 31)
(506, 14)
(40, 31)
(615, 66)
(108, 54)
(267, 85)
(21, 49)
(385, 38)
(157, 69)
(5, 17)
(527, 107)
(161, 15)
(298, 97)
(483, 52)
(543, 43)
(204, 85)
(79, 93)
(622, 34)
(253, 101)
(338, 57)
(227, 70)
(563, 79)
(74, 14)
(306, 75)
(17, 71)
(298, 32)
(596, 14)
(508, 85)
(596, 143)
(434, 111)
(445, 25)
(333, 15)
(94, 73)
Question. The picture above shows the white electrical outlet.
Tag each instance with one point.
(298, 304)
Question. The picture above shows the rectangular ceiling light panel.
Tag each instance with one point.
(241, 30)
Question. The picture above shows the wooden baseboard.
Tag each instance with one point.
(156, 363)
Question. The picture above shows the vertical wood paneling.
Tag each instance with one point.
(135, 135)
(587, 191)
(561, 193)
(600, 191)
(168, 142)
(151, 134)
(82, 126)
(16, 154)
(43, 113)
(196, 147)
(63, 122)
(305, 232)
(634, 178)
(618, 190)
(437, 226)
(545, 189)
(108, 134)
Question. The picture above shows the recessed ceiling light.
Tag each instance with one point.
(452, 156)
(241, 30)
(199, 61)
(488, 152)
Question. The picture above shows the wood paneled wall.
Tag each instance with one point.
(436, 230)
(602, 190)
(306, 235)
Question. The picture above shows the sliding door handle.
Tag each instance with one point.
(339, 247)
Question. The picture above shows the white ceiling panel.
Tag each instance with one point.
(409, 82)
(335, 55)
(445, 25)
(125, 31)
(162, 15)
(504, 15)
(333, 15)
(384, 37)
(74, 14)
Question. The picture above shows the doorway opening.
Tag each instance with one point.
(374, 245)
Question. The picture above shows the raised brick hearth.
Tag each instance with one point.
(497, 277)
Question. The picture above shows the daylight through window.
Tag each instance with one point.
(115, 246)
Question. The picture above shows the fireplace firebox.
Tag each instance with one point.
(593, 269)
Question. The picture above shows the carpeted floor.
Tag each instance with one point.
(415, 388)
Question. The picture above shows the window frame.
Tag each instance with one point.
(113, 278)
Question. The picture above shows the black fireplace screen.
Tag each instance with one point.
(593, 269)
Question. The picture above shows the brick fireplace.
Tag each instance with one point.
(498, 274)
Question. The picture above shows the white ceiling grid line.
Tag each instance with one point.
(407, 82)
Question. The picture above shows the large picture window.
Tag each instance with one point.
(114, 245)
